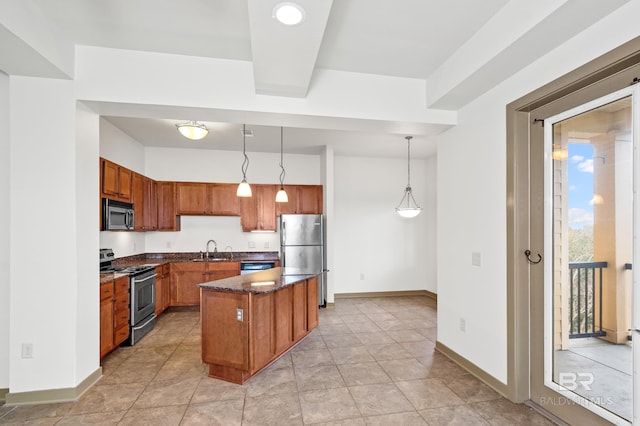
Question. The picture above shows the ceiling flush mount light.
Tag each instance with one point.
(289, 14)
(408, 206)
(192, 130)
(244, 190)
(281, 196)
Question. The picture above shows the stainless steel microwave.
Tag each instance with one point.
(116, 215)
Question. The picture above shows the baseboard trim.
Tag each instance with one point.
(49, 396)
(479, 373)
(3, 394)
(387, 294)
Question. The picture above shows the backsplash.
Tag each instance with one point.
(193, 237)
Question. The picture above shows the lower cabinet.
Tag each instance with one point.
(242, 332)
(163, 291)
(185, 277)
(114, 314)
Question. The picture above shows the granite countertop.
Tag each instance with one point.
(164, 258)
(157, 259)
(107, 278)
(265, 281)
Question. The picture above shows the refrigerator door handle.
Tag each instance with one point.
(283, 231)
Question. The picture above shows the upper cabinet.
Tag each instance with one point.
(116, 181)
(159, 205)
(144, 200)
(303, 199)
(215, 199)
(258, 213)
(309, 199)
(168, 219)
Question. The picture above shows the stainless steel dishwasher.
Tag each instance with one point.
(249, 267)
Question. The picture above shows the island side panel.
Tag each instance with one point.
(261, 330)
(312, 303)
(299, 310)
(225, 339)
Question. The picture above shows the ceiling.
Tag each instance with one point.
(403, 38)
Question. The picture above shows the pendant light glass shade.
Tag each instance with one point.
(408, 206)
(192, 130)
(244, 190)
(281, 196)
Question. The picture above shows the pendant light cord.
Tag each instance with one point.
(282, 173)
(408, 138)
(245, 163)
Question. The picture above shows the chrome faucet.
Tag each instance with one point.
(230, 251)
(215, 247)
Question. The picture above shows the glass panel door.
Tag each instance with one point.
(589, 230)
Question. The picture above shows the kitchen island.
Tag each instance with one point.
(249, 321)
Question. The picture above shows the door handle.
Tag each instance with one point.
(527, 253)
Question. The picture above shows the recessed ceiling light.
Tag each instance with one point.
(288, 13)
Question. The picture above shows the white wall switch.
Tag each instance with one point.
(476, 259)
(27, 350)
(463, 325)
(252, 244)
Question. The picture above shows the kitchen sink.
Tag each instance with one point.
(216, 259)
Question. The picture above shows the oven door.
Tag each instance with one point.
(143, 297)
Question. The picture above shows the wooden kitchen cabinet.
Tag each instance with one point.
(107, 309)
(312, 303)
(309, 199)
(168, 220)
(258, 213)
(185, 277)
(303, 199)
(114, 314)
(163, 291)
(222, 199)
(243, 332)
(283, 319)
(218, 270)
(144, 199)
(299, 310)
(191, 198)
(229, 342)
(150, 205)
(211, 199)
(116, 181)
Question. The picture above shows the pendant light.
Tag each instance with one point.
(408, 206)
(281, 196)
(244, 190)
(192, 130)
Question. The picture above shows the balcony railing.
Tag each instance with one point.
(585, 299)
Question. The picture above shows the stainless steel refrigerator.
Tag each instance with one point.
(302, 249)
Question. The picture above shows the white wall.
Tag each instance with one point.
(374, 248)
(5, 226)
(472, 198)
(43, 175)
(87, 242)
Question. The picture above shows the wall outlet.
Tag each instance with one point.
(239, 314)
(252, 244)
(476, 259)
(266, 244)
(361, 277)
(168, 244)
(463, 325)
(27, 350)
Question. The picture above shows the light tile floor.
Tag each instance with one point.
(371, 361)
